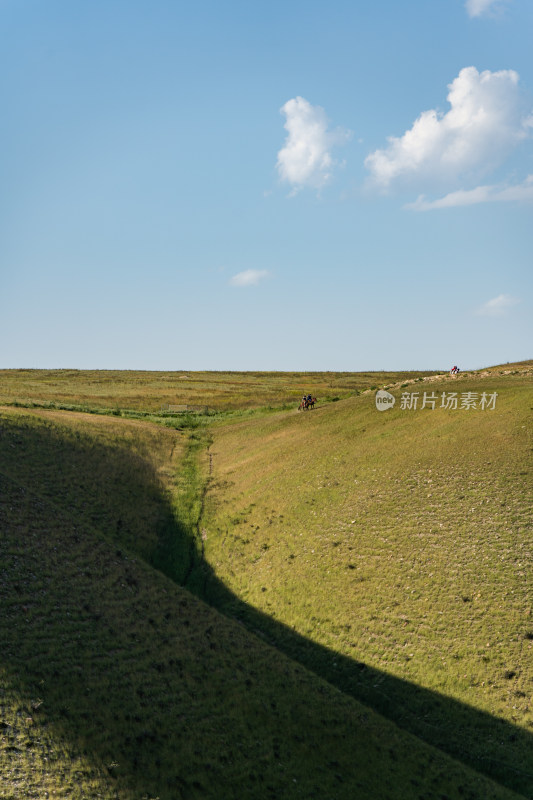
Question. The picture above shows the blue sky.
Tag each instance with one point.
(266, 186)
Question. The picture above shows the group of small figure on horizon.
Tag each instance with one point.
(307, 401)
(454, 371)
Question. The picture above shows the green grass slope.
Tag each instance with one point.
(400, 544)
(117, 683)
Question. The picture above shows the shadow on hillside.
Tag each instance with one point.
(52, 608)
(487, 744)
(104, 484)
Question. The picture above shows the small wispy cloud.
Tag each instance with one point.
(479, 8)
(305, 159)
(520, 193)
(498, 306)
(249, 277)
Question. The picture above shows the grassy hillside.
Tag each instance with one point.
(401, 543)
(149, 391)
(115, 682)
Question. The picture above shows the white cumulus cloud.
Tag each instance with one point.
(477, 8)
(249, 277)
(305, 159)
(498, 306)
(520, 193)
(483, 124)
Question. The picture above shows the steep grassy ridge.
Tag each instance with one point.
(402, 542)
(117, 683)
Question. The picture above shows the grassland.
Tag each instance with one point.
(401, 541)
(148, 392)
(373, 571)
